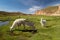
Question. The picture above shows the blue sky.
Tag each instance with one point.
(26, 6)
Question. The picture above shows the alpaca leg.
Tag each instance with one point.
(19, 25)
(24, 26)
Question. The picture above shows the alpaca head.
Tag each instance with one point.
(11, 28)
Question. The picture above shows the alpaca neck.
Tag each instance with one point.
(41, 19)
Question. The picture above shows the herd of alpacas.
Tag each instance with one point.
(25, 22)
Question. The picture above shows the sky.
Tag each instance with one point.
(26, 6)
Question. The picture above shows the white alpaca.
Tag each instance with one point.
(43, 22)
(18, 22)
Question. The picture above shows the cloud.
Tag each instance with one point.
(56, 4)
(34, 8)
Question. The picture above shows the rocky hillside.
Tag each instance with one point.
(51, 10)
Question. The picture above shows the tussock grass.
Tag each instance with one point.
(50, 32)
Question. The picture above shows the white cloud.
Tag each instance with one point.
(56, 4)
(34, 8)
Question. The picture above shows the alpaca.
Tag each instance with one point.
(43, 22)
(18, 22)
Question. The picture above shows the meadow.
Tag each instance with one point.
(50, 32)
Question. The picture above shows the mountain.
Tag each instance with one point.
(49, 11)
(3, 13)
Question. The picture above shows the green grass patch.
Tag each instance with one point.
(52, 32)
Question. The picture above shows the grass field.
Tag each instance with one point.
(51, 32)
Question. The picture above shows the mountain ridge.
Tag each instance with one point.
(3, 13)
